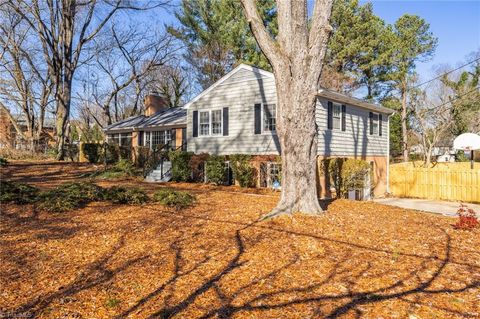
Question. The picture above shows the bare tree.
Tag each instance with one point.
(127, 60)
(173, 82)
(431, 119)
(64, 28)
(296, 56)
(26, 84)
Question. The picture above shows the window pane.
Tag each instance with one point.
(126, 139)
(147, 138)
(375, 123)
(216, 122)
(336, 116)
(157, 138)
(269, 117)
(204, 123)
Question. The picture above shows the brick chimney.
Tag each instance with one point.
(154, 102)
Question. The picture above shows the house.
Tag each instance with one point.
(237, 115)
(160, 126)
(9, 138)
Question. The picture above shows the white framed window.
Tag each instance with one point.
(337, 116)
(125, 139)
(274, 174)
(269, 117)
(375, 123)
(210, 123)
(204, 123)
(216, 122)
(154, 138)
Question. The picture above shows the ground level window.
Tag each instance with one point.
(270, 174)
(125, 139)
(158, 138)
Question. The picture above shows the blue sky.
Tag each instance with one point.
(455, 23)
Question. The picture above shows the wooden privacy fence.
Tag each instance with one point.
(446, 182)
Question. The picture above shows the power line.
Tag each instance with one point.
(442, 75)
(456, 97)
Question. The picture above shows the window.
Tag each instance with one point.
(217, 122)
(269, 117)
(204, 123)
(375, 123)
(337, 116)
(125, 139)
(147, 138)
(274, 173)
(112, 138)
(211, 123)
(157, 137)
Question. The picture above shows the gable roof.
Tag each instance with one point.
(326, 93)
(166, 117)
(226, 77)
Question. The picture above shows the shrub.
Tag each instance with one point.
(215, 169)
(176, 199)
(460, 156)
(467, 218)
(123, 168)
(3, 162)
(181, 169)
(347, 174)
(92, 152)
(242, 169)
(126, 195)
(17, 193)
(110, 153)
(69, 196)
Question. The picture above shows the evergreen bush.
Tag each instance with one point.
(215, 169)
(243, 171)
(126, 195)
(17, 193)
(175, 199)
(92, 152)
(181, 168)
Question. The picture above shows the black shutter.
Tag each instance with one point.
(258, 118)
(380, 124)
(344, 118)
(371, 123)
(140, 138)
(330, 115)
(225, 121)
(195, 124)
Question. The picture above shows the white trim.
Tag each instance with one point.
(210, 123)
(262, 119)
(226, 77)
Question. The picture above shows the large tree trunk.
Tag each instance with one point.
(296, 56)
(63, 114)
(298, 142)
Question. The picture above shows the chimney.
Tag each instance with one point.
(154, 102)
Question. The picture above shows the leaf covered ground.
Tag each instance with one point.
(216, 260)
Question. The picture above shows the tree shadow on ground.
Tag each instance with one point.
(348, 302)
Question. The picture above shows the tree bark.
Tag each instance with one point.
(296, 56)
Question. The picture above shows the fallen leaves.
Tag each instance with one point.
(216, 260)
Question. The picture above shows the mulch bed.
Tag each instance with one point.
(216, 260)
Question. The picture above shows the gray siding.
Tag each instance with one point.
(239, 93)
(356, 139)
(242, 90)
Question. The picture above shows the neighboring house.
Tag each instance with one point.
(9, 138)
(237, 115)
(158, 127)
